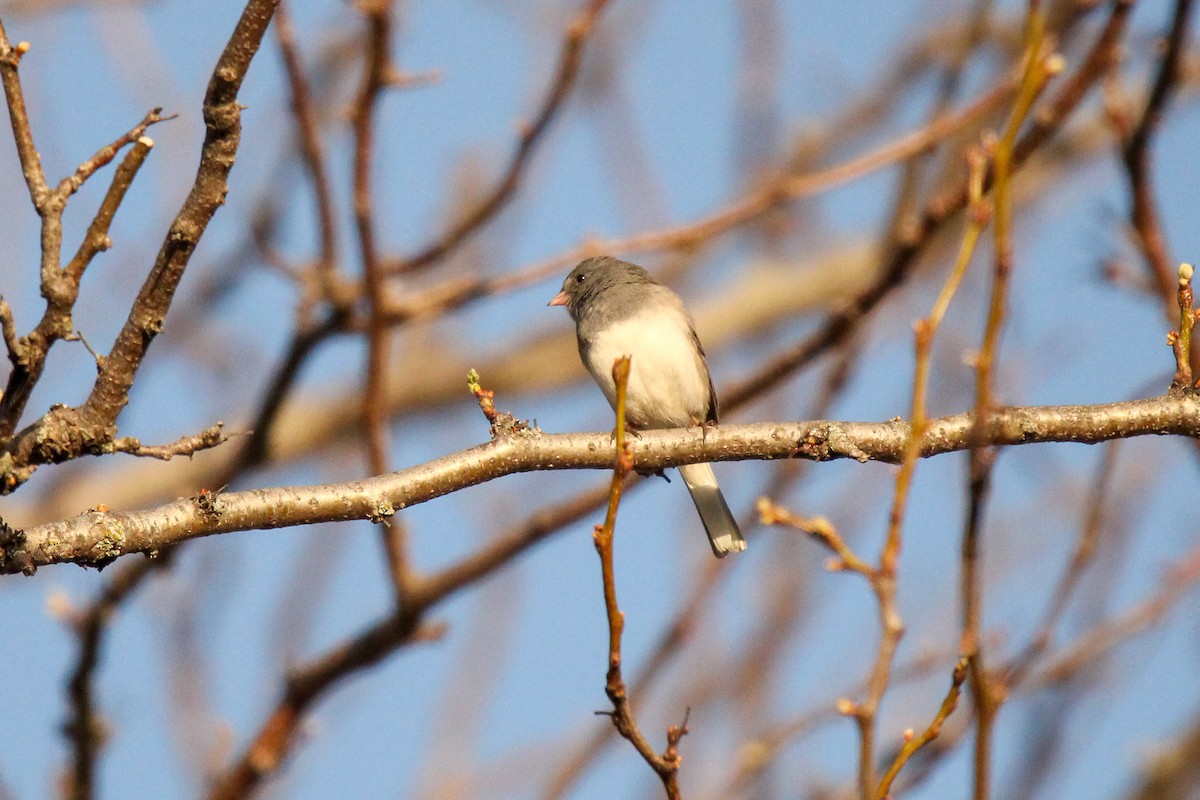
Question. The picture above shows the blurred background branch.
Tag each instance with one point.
(412, 181)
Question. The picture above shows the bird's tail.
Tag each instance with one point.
(719, 524)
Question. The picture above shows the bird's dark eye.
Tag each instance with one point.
(580, 278)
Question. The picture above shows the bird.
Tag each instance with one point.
(620, 309)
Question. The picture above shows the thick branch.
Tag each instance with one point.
(223, 119)
(65, 433)
(95, 538)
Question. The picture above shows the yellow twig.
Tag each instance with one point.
(914, 743)
(665, 765)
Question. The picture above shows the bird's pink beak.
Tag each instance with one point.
(560, 299)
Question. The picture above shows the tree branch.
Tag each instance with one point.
(95, 538)
(263, 757)
(183, 446)
(665, 764)
(31, 162)
(570, 59)
(85, 727)
(1137, 156)
(66, 432)
(59, 286)
(96, 239)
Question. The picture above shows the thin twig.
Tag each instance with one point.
(1180, 340)
(27, 152)
(377, 68)
(822, 531)
(1137, 156)
(96, 239)
(901, 260)
(8, 327)
(184, 446)
(666, 764)
(102, 157)
(884, 582)
(570, 58)
(309, 138)
(762, 750)
(912, 744)
(84, 727)
(668, 647)
(767, 196)
(986, 691)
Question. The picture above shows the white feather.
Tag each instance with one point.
(668, 382)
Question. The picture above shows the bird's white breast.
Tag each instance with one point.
(668, 380)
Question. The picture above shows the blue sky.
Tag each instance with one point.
(515, 682)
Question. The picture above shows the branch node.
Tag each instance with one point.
(502, 423)
(209, 503)
(382, 513)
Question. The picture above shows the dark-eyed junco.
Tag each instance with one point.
(620, 310)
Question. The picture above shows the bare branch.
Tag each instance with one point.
(902, 258)
(222, 116)
(986, 694)
(31, 162)
(275, 739)
(1137, 157)
(569, 61)
(309, 139)
(914, 743)
(8, 327)
(84, 726)
(96, 538)
(96, 239)
(666, 764)
(1181, 339)
(377, 68)
(184, 446)
(64, 433)
(59, 287)
(71, 184)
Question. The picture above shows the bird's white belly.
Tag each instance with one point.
(668, 381)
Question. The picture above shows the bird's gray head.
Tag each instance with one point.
(595, 278)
